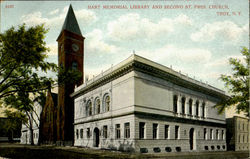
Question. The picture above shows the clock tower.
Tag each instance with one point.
(70, 55)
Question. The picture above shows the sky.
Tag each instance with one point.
(195, 37)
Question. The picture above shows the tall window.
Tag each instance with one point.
(77, 133)
(127, 130)
(222, 134)
(155, 128)
(203, 109)
(118, 131)
(176, 132)
(106, 103)
(105, 131)
(175, 103)
(211, 134)
(81, 133)
(89, 108)
(197, 108)
(205, 133)
(74, 65)
(166, 131)
(190, 106)
(217, 134)
(183, 100)
(141, 130)
(88, 132)
(97, 106)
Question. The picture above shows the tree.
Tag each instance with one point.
(22, 63)
(237, 84)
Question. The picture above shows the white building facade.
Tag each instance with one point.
(141, 106)
(25, 131)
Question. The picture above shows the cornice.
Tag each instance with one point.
(153, 71)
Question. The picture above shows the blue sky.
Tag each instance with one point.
(198, 42)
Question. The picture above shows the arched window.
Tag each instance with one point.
(107, 103)
(74, 65)
(89, 108)
(97, 106)
(190, 106)
(203, 109)
(183, 100)
(175, 100)
(197, 108)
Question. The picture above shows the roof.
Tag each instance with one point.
(70, 23)
(138, 63)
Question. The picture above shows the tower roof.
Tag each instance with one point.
(70, 23)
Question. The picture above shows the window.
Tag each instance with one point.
(117, 131)
(105, 131)
(97, 106)
(176, 132)
(211, 134)
(166, 131)
(217, 134)
(74, 65)
(127, 130)
(155, 128)
(203, 109)
(183, 100)
(190, 106)
(106, 103)
(175, 103)
(205, 133)
(141, 130)
(81, 133)
(89, 108)
(197, 108)
(88, 132)
(77, 133)
(222, 134)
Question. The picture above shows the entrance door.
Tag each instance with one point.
(96, 137)
(191, 138)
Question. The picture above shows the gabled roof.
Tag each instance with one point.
(70, 23)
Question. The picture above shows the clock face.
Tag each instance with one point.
(75, 47)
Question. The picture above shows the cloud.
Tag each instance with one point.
(225, 30)
(36, 18)
(132, 26)
(96, 43)
(173, 53)
(53, 49)
(54, 12)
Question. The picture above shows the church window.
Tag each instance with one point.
(183, 100)
(81, 133)
(106, 103)
(74, 65)
(190, 106)
(105, 131)
(175, 103)
(203, 109)
(97, 106)
(141, 130)
(177, 132)
(155, 128)
(118, 131)
(127, 130)
(166, 131)
(197, 108)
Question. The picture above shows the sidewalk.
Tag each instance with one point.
(10, 150)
